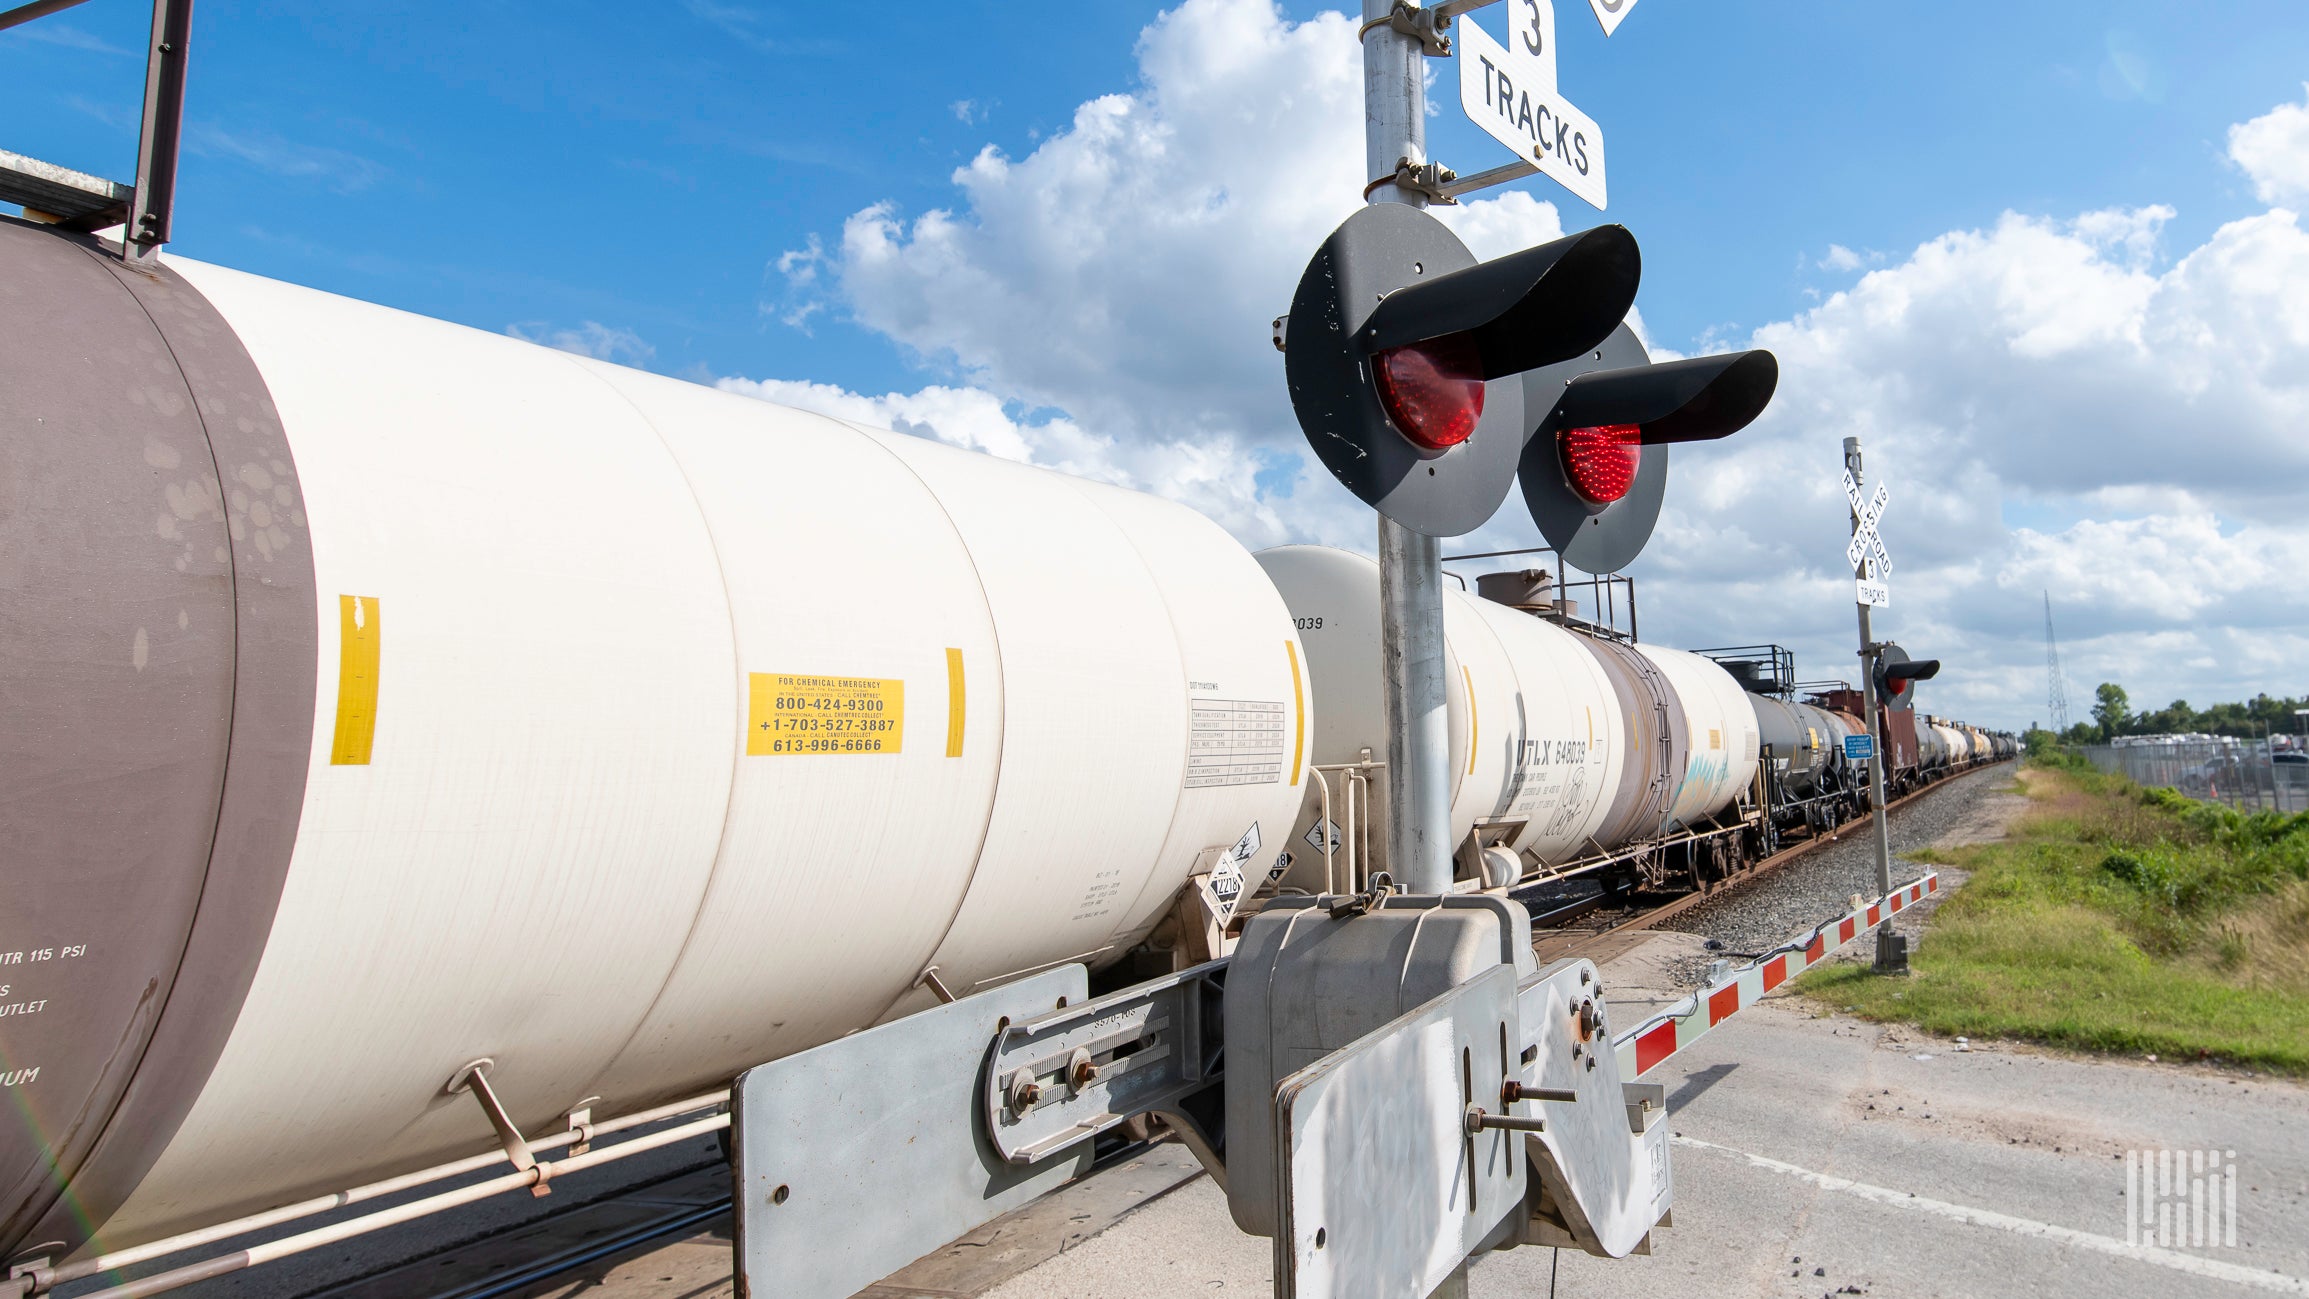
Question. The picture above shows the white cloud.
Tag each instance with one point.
(1125, 271)
(2058, 401)
(594, 339)
(1840, 258)
(2168, 568)
(2055, 408)
(2273, 149)
(268, 151)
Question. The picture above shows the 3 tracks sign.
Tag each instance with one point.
(1510, 91)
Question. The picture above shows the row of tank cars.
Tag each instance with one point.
(1577, 750)
(385, 696)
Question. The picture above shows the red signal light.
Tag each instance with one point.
(1433, 390)
(1601, 460)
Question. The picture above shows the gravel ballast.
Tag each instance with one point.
(1818, 886)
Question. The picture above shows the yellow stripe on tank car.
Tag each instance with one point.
(1298, 712)
(1474, 722)
(358, 630)
(954, 702)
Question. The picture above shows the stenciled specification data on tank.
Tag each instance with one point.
(1235, 742)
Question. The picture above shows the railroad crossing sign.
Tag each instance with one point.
(1609, 12)
(1865, 541)
(1509, 90)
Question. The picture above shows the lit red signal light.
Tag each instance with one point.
(1433, 390)
(1601, 460)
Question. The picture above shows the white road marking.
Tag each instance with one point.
(2257, 1278)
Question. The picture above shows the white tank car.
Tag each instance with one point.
(1721, 724)
(1533, 723)
(655, 732)
(1540, 734)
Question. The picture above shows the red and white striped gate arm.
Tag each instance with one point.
(1643, 1048)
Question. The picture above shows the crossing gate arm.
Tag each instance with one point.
(1650, 1044)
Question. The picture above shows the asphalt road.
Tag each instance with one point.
(1819, 1154)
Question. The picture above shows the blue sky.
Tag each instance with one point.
(640, 165)
(2043, 255)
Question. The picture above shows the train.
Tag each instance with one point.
(385, 698)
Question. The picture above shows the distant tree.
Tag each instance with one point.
(2111, 709)
(2082, 733)
(2173, 719)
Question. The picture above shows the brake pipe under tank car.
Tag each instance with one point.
(387, 695)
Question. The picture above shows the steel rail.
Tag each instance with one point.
(1669, 910)
(577, 1256)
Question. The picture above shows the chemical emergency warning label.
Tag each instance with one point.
(788, 713)
(1235, 742)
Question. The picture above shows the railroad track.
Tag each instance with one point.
(1561, 917)
(677, 1223)
(541, 1270)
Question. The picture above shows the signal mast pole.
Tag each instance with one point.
(1410, 563)
(1889, 960)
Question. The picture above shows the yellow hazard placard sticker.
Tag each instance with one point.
(788, 713)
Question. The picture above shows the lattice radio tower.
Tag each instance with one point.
(2056, 689)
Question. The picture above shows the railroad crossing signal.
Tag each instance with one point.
(1595, 467)
(1426, 381)
(1897, 674)
(1402, 353)
(1866, 543)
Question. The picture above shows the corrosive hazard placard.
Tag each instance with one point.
(1226, 881)
(787, 713)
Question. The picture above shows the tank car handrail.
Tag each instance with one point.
(1323, 785)
(45, 1279)
(240, 1260)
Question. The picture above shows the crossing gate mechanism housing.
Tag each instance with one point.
(1385, 1086)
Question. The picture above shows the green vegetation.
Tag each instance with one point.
(2113, 715)
(2115, 918)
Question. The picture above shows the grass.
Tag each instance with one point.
(2115, 919)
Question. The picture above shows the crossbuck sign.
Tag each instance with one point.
(1866, 544)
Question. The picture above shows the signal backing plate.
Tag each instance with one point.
(1592, 540)
(1376, 251)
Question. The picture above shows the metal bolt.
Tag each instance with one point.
(1024, 1092)
(1085, 1073)
(1477, 1121)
